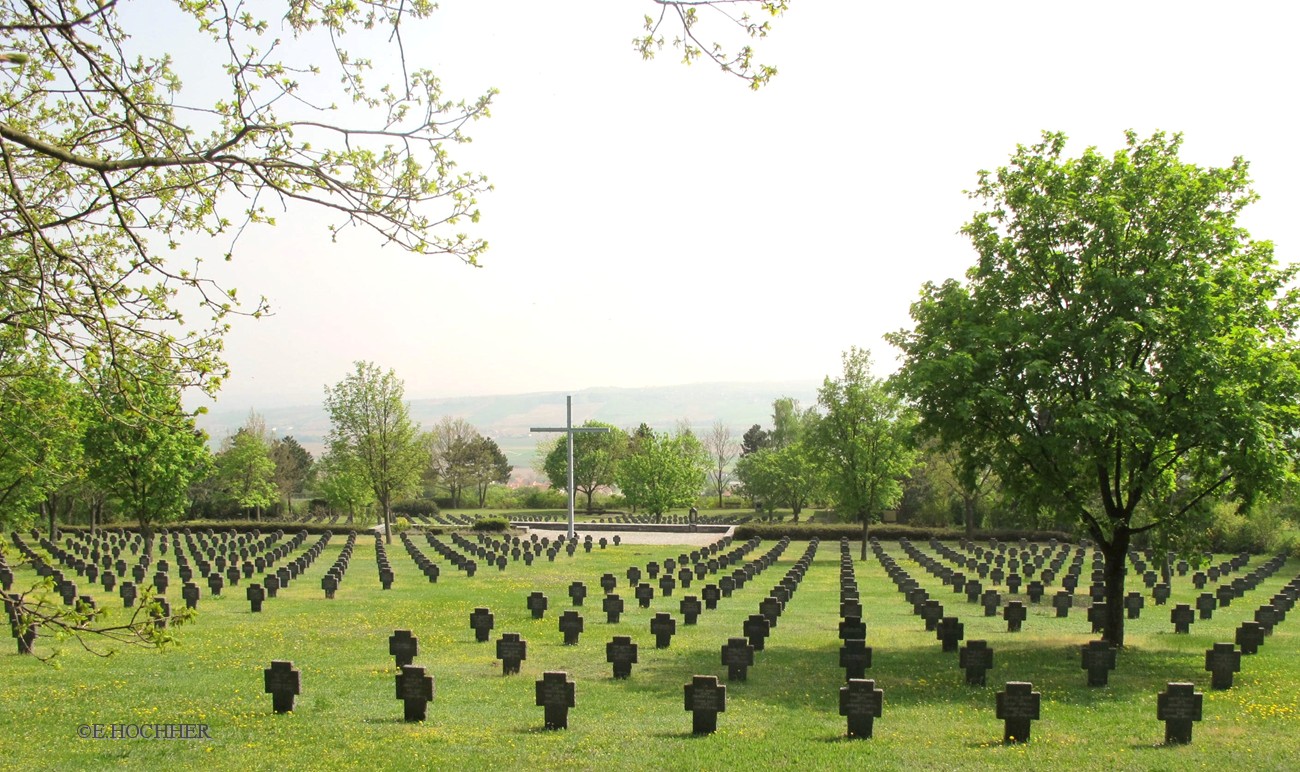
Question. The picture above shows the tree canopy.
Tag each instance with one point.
(372, 435)
(863, 439)
(664, 471)
(596, 456)
(1122, 350)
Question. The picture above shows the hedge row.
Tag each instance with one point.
(853, 532)
(243, 526)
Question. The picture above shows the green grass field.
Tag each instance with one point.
(784, 716)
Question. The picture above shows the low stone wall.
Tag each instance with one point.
(625, 527)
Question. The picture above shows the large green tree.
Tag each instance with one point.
(863, 439)
(344, 484)
(41, 425)
(791, 476)
(491, 467)
(1122, 350)
(370, 426)
(141, 445)
(596, 456)
(293, 465)
(245, 471)
(665, 471)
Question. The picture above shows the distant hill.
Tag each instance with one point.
(507, 418)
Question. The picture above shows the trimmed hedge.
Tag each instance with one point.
(491, 524)
(241, 526)
(853, 532)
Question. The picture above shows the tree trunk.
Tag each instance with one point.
(590, 493)
(865, 520)
(969, 502)
(1116, 554)
(48, 510)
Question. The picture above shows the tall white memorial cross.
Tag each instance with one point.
(569, 429)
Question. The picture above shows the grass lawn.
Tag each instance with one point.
(784, 716)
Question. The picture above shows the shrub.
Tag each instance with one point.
(401, 524)
(1261, 531)
(491, 524)
(853, 531)
(423, 507)
(537, 497)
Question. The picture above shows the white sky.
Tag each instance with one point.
(656, 224)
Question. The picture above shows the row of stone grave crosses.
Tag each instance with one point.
(125, 562)
(704, 696)
(467, 521)
(1178, 706)
(106, 555)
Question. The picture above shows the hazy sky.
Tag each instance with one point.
(656, 224)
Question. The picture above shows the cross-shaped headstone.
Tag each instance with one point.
(415, 690)
(571, 626)
(1250, 636)
(1225, 595)
(1179, 705)
(976, 658)
(1062, 602)
(1205, 605)
(644, 594)
(991, 600)
(1161, 593)
(711, 595)
(1267, 616)
(690, 608)
(569, 430)
(663, 626)
(756, 628)
(861, 703)
(255, 595)
(608, 583)
(950, 631)
(481, 621)
(1182, 617)
(666, 585)
(771, 608)
(853, 627)
(1098, 658)
(190, 594)
(577, 592)
(1133, 603)
(1015, 613)
(556, 694)
(612, 605)
(622, 653)
(283, 682)
(511, 650)
(931, 612)
(855, 658)
(738, 656)
(403, 646)
(537, 604)
(1097, 616)
(1222, 661)
(705, 699)
(1017, 706)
